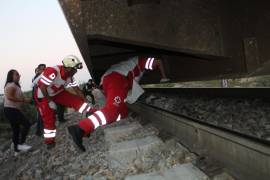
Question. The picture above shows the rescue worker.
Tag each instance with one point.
(51, 90)
(60, 108)
(120, 85)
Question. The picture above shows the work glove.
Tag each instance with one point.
(52, 105)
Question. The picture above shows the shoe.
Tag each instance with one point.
(51, 145)
(17, 153)
(77, 135)
(24, 147)
(164, 80)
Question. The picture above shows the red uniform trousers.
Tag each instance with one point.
(48, 115)
(116, 87)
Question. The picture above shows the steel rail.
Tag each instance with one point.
(244, 156)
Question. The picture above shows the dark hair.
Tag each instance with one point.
(41, 65)
(10, 77)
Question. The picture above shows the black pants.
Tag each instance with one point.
(39, 127)
(19, 124)
(60, 112)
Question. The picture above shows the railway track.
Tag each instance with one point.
(245, 157)
(128, 150)
(152, 143)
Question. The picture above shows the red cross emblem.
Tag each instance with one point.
(117, 100)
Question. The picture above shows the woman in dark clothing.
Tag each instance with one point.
(12, 109)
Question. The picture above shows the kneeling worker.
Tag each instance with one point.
(120, 85)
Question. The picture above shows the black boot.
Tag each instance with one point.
(77, 135)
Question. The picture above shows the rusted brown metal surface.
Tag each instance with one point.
(72, 12)
(200, 39)
(135, 2)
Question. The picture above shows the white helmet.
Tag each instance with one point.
(72, 61)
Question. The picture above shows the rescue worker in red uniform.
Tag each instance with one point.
(51, 90)
(120, 85)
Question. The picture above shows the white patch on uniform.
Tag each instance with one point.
(46, 79)
(151, 64)
(102, 117)
(94, 120)
(118, 118)
(45, 82)
(82, 108)
(52, 76)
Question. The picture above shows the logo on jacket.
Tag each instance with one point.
(52, 76)
(117, 100)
